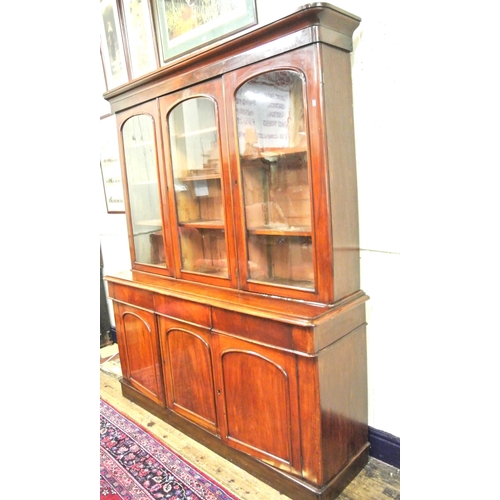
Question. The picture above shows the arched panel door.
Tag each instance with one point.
(188, 373)
(139, 350)
(258, 388)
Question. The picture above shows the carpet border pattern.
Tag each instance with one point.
(175, 477)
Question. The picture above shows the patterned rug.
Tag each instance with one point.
(136, 466)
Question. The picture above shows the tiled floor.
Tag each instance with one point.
(377, 481)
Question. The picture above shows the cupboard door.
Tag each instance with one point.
(258, 401)
(279, 172)
(196, 153)
(187, 367)
(137, 337)
(143, 179)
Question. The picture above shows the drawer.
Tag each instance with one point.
(262, 330)
(131, 295)
(185, 310)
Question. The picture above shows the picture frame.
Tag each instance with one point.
(141, 41)
(184, 25)
(112, 48)
(111, 167)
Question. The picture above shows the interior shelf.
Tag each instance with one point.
(271, 155)
(280, 231)
(204, 224)
(202, 177)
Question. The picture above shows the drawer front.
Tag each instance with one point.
(131, 295)
(261, 330)
(191, 312)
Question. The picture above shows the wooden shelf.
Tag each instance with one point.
(204, 224)
(280, 231)
(271, 155)
(192, 178)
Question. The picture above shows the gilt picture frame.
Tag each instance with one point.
(184, 25)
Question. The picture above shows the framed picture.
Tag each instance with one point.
(112, 51)
(111, 167)
(187, 24)
(140, 36)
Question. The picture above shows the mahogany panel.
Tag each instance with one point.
(344, 407)
(287, 311)
(310, 416)
(131, 295)
(259, 410)
(344, 320)
(258, 329)
(341, 154)
(139, 350)
(187, 367)
(186, 310)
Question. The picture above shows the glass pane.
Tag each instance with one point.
(142, 177)
(285, 260)
(275, 171)
(198, 186)
(140, 37)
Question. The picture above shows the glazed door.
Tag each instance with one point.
(258, 401)
(188, 374)
(143, 179)
(193, 124)
(280, 171)
(137, 337)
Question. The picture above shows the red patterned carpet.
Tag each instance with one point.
(136, 466)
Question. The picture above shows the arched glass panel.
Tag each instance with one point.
(276, 178)
(142, 179)
(195, 156)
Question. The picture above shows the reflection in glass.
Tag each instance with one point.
(142, 178)
(198, 188)
(275, 171)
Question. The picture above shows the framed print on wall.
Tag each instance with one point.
(112, 51)
(140, 35)
(111, 167)
(186, 24)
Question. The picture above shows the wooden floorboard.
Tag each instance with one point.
(376, 481)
